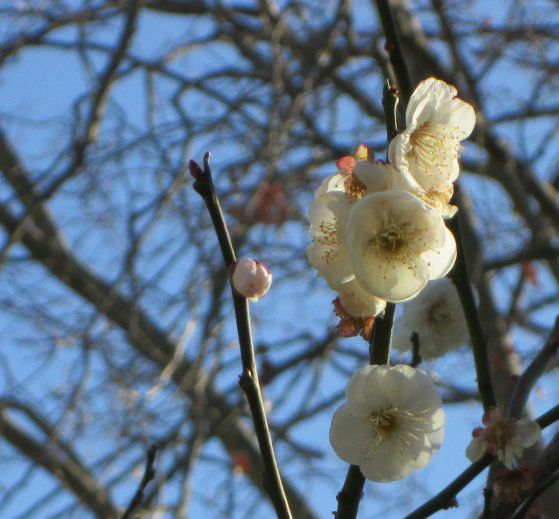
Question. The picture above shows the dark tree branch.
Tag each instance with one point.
(394, 49)
(446, 498)
(537, 492)
(149, 474)
(68, 470)
(204, 186)
(533, 372)
(461, 278)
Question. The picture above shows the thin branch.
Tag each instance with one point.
(69, 471)
(204, 186)
(461, 278)
(537, 492)
(416, 356)
(149, 474)
(540, 251)
(394, 50)
(533, 372)
(447, 497)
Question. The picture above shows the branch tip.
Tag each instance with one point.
(207, 169)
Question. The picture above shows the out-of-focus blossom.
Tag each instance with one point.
(436, 316)
(511, 484)
(506, 438)
(269, 205)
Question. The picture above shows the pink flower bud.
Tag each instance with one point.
(251, 278)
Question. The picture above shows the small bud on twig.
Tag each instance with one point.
(251, 278)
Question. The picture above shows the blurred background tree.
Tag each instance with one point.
(115, 311)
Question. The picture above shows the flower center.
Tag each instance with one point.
(353, 187)
(434, 147)
(438, 313)
(500, 434)
(392, 241)
(384, 422)
(398, 426)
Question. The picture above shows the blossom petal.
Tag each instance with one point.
(436, 315)
(426, 98)
(415, 391)
(392, 423)
(350, 435)
(475, 449)
(401, 336)
(436, 437)
(371, 174)
(358, 302)
(527, 432)
(439, 262)
(458, 114)
(328, 252)
(387, 465)
(392, 282)
(331, 183)
(362, 393)
(386, 272)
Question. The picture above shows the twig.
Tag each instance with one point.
(379, 349)
(446, 497)
(461, 279)
(533, 372)
(149, 474)
(394, 50)
(549, 417)
(416, 357)
(537, 492)
(350, 495)
(487, 498)
(248, 381)
(390, 101)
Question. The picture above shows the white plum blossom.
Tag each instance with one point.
(436, 122)
(329, 211)
(506, 438)
(391, 424)
(328, 253)
(251, 278)
(396, 243)
(436, 316)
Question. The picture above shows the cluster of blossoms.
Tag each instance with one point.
(379, 236)
(378, 227)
